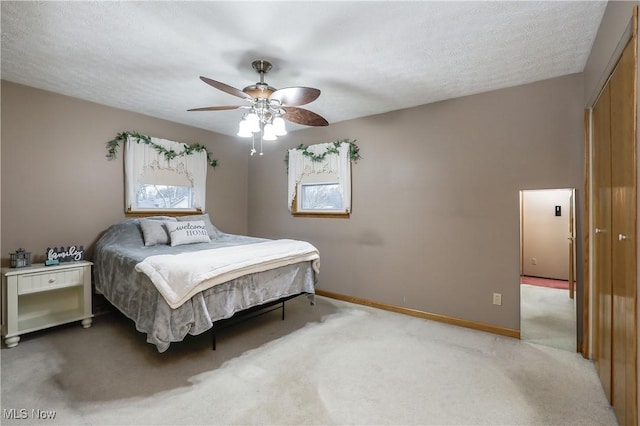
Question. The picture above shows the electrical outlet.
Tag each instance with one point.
(534, 261)
(497, 299)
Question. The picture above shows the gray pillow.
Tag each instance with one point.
(154, 231)
(211, 229)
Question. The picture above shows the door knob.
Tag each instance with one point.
(600, 231)
(622, 237)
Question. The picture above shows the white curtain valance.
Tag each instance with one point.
(155, 175)
(144, 164)
(338, 165)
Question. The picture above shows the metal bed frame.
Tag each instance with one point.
(250, 313)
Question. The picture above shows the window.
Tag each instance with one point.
(155, 183)
(320, 196)
(320, 185)
(152, 196)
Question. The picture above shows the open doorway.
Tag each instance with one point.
(547, 268)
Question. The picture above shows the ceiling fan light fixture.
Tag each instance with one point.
(268, 107)
(269, 133)
(279, 126)
(244, 129)
(254, 121)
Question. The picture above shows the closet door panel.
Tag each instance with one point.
(602, 238)
(623, 180)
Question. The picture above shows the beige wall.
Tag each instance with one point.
(59, 189)
(603, 55)
(435, 223)
(545, 247)
(435, 198)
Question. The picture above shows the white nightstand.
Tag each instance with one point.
(39, 296)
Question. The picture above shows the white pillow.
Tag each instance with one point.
(211, 229)
(187, 232)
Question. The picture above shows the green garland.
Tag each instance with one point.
(354, 151)
(169, 154)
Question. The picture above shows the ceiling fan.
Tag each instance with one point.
(269, 107)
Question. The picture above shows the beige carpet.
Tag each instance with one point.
(333, 363)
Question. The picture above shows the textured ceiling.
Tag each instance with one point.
(365, 57)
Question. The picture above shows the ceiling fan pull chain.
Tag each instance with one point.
(253, 145)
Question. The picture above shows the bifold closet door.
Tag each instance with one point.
(601, 161)
(623, 236)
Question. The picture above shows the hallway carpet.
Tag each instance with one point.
(544, 282)
(548, 317)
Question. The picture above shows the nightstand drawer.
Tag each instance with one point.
(31, 283)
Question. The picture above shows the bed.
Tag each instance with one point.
(127, 253)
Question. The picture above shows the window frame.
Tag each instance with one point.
(137, 214)
(132, 176)
(297, 182)
(329, 214)
(299, 200)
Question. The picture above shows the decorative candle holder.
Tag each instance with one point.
(20, 258)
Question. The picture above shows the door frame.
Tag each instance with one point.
(571, 232)
(572, 264)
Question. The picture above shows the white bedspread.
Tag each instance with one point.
(178, 277)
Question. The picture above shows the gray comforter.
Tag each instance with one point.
(122, 247)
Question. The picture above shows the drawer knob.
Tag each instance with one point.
(52, 280)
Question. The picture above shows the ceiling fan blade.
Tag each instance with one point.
(216, 108)
(295, 96)
(304, 116)
(226, 88)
